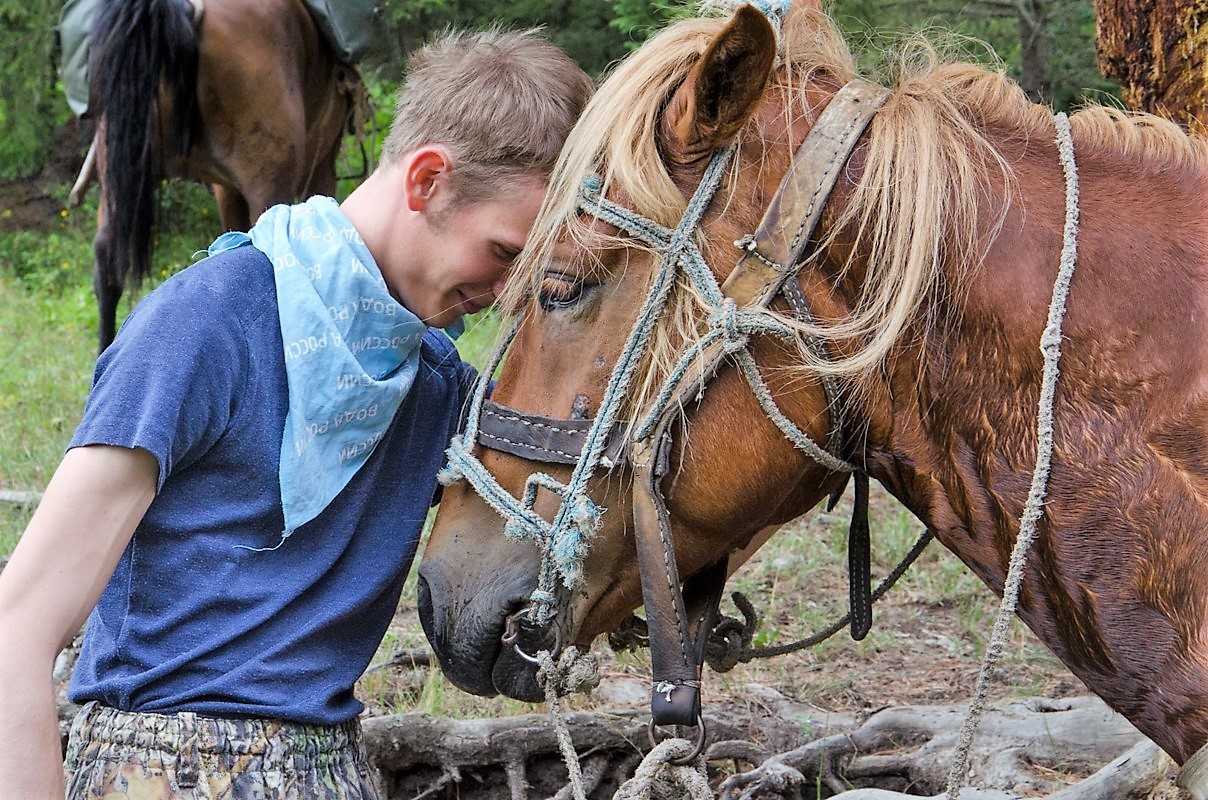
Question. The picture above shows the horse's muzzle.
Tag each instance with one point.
(466, 635)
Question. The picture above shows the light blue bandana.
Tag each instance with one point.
(351, 350)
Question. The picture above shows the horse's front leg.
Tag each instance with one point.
(232, 208)
(108, 274)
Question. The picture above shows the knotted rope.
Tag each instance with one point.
(731, 328)
(1050, 347)
(564, 540)
(658, 777)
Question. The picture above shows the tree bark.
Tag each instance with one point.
(1158, 51)
(1035, 75)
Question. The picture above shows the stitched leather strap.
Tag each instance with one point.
(774, 251)
(531, 436)
(678, 631)
(859, 561)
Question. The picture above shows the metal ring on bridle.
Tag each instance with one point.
(511, 636)
(696, 751)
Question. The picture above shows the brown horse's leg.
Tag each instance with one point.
(232, 208)
(329, 135)
(108, 274)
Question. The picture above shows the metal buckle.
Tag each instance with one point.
(702, 732)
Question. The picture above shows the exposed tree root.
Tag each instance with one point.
(1035, 748)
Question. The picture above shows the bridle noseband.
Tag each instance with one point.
(678, 619)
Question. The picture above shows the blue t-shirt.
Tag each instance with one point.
(193, 620)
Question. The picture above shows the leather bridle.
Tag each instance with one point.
(679, 619)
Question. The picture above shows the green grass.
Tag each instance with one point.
(48, 326)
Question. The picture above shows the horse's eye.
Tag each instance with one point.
(559, 291)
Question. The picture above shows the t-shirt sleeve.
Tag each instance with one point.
(171, 380)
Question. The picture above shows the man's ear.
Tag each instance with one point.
(426, 174)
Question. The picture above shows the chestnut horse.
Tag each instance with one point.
(929, 277)
(246, 96)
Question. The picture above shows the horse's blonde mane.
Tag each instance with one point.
(928, 202)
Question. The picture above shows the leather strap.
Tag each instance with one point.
(774, 251)
(675, 670)
(859, 561)
(771, 258)
(549, 440)
(531, 436)
(678, 630)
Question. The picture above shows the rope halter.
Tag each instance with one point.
(564, 541)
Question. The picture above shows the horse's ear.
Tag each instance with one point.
(720, 93)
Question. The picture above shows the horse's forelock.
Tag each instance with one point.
(616, 138)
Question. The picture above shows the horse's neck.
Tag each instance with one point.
(952, 432)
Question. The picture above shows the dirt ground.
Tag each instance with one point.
(33, 203)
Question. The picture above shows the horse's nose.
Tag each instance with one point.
(466, 645)
(466, 636)
(464, 669)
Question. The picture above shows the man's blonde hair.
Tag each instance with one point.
(502, 102)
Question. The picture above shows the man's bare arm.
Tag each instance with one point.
(55, 576)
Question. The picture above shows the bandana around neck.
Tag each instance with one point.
(351, 350)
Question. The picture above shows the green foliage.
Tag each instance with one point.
(31, 105)
(989, 33)
(360, 153)
(47, 322)
(638, 19)
(1072, 58)
(581, 27)
(594, 32)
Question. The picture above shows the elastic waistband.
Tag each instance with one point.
(262, 737)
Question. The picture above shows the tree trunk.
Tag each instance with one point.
(1158, 51)
(1035, 75)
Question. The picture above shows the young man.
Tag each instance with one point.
(240, 505)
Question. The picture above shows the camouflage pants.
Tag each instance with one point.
(118, 755)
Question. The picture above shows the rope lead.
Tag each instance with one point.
(1050, 347)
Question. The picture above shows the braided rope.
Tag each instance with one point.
(790, 430)
(732, 328)
(565, 539)
(572, 672)
(1050, 347)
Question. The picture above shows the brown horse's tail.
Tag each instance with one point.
(135, 45)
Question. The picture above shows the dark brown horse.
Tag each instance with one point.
(929, 277)
(245, 96)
